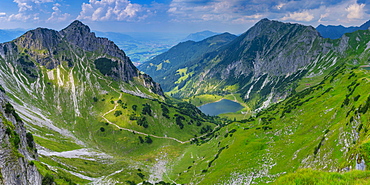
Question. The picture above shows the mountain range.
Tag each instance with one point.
(198, 36)
(93, 118)
(335, 32)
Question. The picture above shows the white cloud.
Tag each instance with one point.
(355, 11)
(2, 14)
(111, 10)
(231, 11)
(23, 5)
(57, 15)
(26, 10)
(19, 17)
(299, 16)
(279, 6)
(248, 19)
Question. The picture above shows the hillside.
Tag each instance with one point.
(169, 68)
(96, 119)
(94, 116)
(320, 129)
(261, 66)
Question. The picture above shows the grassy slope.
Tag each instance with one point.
(308, 130)
(65, 112)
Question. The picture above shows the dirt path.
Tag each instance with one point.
(142, 133)
(134, 131)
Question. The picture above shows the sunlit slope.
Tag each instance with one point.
(323, 127)
(94, 116)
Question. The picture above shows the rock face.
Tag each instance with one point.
(164, 67)
(17, 149)
(263, 63)
(50, 48)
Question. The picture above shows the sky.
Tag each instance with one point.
(178, 16)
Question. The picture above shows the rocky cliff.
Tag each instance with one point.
(263, 63)
(17, 149)
(50, 48)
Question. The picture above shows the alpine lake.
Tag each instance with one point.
(220, 107)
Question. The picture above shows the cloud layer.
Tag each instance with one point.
(108, 10)
(217, 13)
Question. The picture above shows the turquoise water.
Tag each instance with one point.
(223, 106)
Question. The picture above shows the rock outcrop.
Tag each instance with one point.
(50, 48)
(17, 149)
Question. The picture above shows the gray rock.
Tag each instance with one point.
(15, 163)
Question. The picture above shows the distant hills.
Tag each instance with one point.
(8, 35)
(94, 118)
(198, 36)
(169, 66)
(335, 32)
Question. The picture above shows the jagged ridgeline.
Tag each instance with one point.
(94, 116)
(96, 119)
(261, 66)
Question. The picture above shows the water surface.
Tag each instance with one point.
(223, 106)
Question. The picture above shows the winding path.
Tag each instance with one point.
(142, 133)
(130, 130)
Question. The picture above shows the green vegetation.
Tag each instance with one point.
(48, 179)
(106, 66)
(309, 176)
(137, 137)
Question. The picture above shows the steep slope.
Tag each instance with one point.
(323, 127)
(262, 65)
(95, 117)
(17, 150)
(335, 32)
(169, 68)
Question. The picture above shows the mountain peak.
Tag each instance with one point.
(77, 24)
(76, 27)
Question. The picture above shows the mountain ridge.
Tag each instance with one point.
(306, 95)
(44, 44)
(254, 65)
(335, 32)
(166, 65)
(199, 36)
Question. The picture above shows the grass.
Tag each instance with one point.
(308, 129)
(314, 177)
(57, 146)
(304, 130)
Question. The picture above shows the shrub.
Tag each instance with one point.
(102, 129)
(16, 140)
(141, 175)
(165, 111)
(48, 179)
(141, 139)
(29, 137)
(118, 113)
(143, 122)
(148, 140)
(8, 131)
(146, 110)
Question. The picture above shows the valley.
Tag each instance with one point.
(301, 108)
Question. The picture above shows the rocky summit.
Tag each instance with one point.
(75, 110)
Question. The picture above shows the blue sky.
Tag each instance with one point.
(184, 16)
